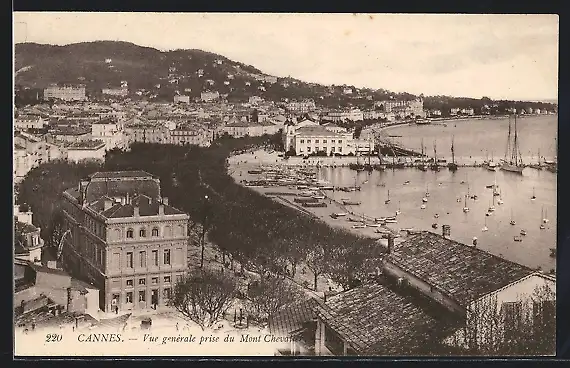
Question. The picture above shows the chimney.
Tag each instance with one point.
(108, 204)
(165, 200)
(83, 183)
(136, 212)
(161, 209)
(128, 199)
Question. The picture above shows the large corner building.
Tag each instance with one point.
(125, 239)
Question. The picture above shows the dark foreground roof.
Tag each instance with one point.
(463, 272)
(119, 188)
(293, 317)
(375, 320)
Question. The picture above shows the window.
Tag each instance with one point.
(332, 149)
(340, 141)
(324, 141)
(178, 278)
(511, 317)
(155, 231)
(167, 257)
(142, 233)
(302, 141)
(167, 279)
(308, 149)
(166, 293)
(332, 140)
(129, 297)
(142, 281)
(142, 258)
(316, 149)
(155, 280)
(333, 342)
(308, 141)
(316, 141)
(129, 259)
(142, 295)
(340, 149)
(155, 258)
(130, 282)
(544, 318)
(130, 233)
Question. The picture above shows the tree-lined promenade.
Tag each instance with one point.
(258, 232)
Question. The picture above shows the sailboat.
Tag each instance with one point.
(427, 190)
(500, 201)
(513, 222)
(538, 165)
(435, 165)
(485, 228)
(398, 211)
(388, 200)
(465, 208)
(513, 161)
(452, 166)
(542, 227)
(490, 165)
(545, 218)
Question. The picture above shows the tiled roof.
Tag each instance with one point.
(293, 316)
(117, 322)
(25, 228)
(45, 269)
(375, 320)
(120, 174)
(147, 207)
(119, 188)
(44, 319)
(316, 131)
(463, 272)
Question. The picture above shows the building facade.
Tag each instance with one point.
(125, 239)
(65, 93)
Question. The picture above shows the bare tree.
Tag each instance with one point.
(523, 327)
(204, 296)
(268, 295)
(316, 262)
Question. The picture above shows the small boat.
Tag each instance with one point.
(436, 215)
(351, 203)
(374, 225)
(434, 225)
(523, 232)
(388, 200)
(319, 197)
(491, 209)
(382, 231)
(465, 208)
(359, 226)
(391, 221)
(423, 207)
(406, 182)
(462, 182)
(500, 201)
(542, 227)
(489, 186)
(350, 219)
(485, 228)
(424, 199)
(533, 196)
(398, 211)
(545, 219)
(553, 252)
(382, 184)
(407, 229)
(513, 222)
(517, 238)
(427, 190)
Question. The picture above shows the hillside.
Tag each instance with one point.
(164, 73)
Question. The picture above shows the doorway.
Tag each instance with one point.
(154, 298)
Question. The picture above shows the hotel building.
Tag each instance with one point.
(65, 93)
(125, 239)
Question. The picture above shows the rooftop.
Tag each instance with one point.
(293, 316)
(118, 184)
(375, 320)
(95, 144)
(463, 272)
(121, 174)
(147, 207)
(318, 131)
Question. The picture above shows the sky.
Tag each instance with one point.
(498, 56)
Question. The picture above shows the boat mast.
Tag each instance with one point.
(515, 145)
(434, 152)
(508, 151)
(452, 151)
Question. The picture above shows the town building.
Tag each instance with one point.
(31, 151)
(125, 239)
(25, 122)
(301, 106)
(454, 111)
(238, 128)
(209, 96)
(352, 115)
(23, 213)
(181, 99)
(147, 133)
(23, 162)
(191, 136)
(65, 93)
(71, 134)
(402, 108)
(334, 128)
(109, 131)
(117, 92)
(27, 242)
(84, 150)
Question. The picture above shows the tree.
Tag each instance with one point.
(524, 327)
(316, 262)
(204, 296)
(268, 295)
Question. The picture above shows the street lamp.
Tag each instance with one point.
(204, 230)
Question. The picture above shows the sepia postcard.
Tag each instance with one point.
(241, 184)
